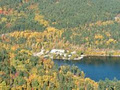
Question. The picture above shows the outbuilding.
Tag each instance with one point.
(57, 51)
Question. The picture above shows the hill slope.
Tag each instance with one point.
(86, 23)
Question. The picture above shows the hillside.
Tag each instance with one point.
(86, 23)
(90, 27)
(20, 70)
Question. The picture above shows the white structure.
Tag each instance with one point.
(65, 55)
(79, 58)
(69, 56)
(74, 52)
(57, 51)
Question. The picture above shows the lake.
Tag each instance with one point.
(96, 68)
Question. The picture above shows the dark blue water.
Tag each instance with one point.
(97, 68)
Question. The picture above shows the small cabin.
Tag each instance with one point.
(57, 51)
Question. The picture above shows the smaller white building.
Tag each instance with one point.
(69, 56)
(74, 52)
(65, 55)
(57, 51)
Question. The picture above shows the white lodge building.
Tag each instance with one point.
(57, 51)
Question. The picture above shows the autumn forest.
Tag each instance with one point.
(90, 27)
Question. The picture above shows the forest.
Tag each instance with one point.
(86, 23)
(20, 70)
(26, 26)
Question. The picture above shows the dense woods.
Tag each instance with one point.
(28, 72)
(92, 24)
(26, 26)
(19, 69)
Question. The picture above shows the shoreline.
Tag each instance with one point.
(103, 55)
(88, 56)
(61, 54)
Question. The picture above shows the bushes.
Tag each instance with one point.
(3, 54)
(108, 84)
